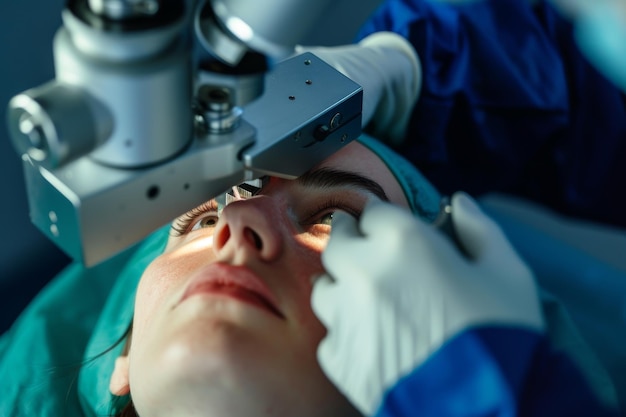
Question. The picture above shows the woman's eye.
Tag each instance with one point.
(210, 220)
(203, 216)
(327, 219)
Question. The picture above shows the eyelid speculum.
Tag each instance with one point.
(242, 191)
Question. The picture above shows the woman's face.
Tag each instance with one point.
(223, 324)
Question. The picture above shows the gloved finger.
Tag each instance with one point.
(399, 237)
(344, 256)
(326, 300)
(475, 230)
(385, 220)
(340, 256)
(393, 229)
(344, 226)
(351, 380)
(484, 240)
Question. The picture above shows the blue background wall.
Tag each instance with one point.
(27, 258)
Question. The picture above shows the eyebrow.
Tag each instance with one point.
(328, 178)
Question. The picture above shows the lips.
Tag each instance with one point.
(236, 282)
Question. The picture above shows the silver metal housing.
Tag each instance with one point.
(270, 27)
(93, 210)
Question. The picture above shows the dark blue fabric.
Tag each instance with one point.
(496, 372)
(509, 104)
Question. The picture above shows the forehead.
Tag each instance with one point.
(359, 159)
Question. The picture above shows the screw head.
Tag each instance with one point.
(33, 130)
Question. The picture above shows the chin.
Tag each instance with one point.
(206, 402)
(242, 401)
(215, 366)
(235, 383)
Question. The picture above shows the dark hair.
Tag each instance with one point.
(117, 402)
(128, 410)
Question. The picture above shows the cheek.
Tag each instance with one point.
(309, 266)
(160, 285)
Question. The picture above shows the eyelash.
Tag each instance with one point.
(182, 225)
(329, 206)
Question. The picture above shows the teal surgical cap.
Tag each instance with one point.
(422, 196)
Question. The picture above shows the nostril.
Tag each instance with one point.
(253, 238)
(222, 237)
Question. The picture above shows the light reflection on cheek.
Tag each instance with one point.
(310, 257)
(199, 245)
(315, 238)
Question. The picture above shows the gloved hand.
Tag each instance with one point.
(387, 67)
(397, 289)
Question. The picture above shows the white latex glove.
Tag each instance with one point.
(387, 67)
(400, 289)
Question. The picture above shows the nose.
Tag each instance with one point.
(246, 228)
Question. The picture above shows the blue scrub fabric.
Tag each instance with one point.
(494, 371)
(589, 291)
(509, 104)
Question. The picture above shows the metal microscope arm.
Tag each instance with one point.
(154, 110)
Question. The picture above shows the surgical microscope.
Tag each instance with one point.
(160, 105)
